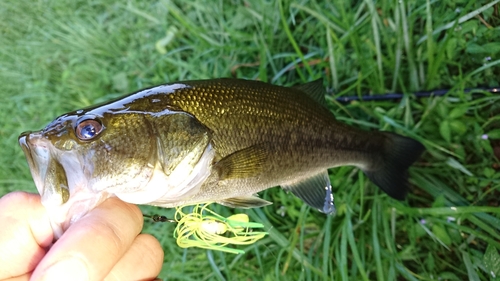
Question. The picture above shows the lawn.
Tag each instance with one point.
(57, 56)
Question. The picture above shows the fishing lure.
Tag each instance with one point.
(203, 228)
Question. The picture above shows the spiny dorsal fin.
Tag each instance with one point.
(245, 202)
(247, 162)
(315, 90)
(315, 191)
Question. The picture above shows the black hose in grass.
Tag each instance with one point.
(424, 94)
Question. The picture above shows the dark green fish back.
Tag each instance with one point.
(243, 113)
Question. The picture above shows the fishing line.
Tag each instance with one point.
(422, 94)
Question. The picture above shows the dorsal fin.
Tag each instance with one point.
(315, 90)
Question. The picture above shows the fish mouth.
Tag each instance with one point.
(60, 181)
(48, 174)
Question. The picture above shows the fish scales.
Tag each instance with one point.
(290, 124)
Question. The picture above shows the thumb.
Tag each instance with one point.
(25, 233)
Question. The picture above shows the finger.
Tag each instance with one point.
(24, 277)
(25, 233)
(90, 247)
(143, 261)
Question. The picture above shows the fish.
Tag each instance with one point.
(218, 140)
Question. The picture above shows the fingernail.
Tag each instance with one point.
(69, 269)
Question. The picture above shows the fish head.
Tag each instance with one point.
(80, 159)
(46, 151)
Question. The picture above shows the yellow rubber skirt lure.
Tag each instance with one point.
(206, 229)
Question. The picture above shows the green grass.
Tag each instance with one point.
(57, 56)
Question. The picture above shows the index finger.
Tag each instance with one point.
(93, 245)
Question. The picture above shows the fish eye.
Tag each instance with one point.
(88, 129)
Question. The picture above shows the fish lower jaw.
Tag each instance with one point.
(79, 204)
(38, 157)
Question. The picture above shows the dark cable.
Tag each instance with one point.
(393, 96)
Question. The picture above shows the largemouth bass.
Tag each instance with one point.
(220, 140)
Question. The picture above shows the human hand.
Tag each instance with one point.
(105, 244)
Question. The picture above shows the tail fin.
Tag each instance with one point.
(391, 173)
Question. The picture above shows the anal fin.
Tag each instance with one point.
(315, 191)
(244, 202)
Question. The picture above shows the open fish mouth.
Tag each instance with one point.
(49, 176)
(60, 180)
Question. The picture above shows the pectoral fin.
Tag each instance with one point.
(315, 191)
(243, 163)
(244, 202)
